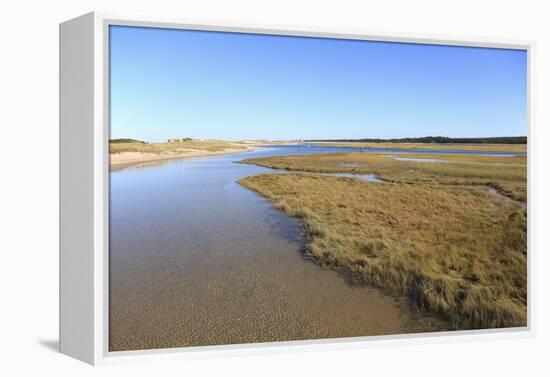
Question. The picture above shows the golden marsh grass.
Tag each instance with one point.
(433, 231)
(508, 175)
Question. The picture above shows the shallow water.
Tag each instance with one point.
(417, 159)
(196, 259)
(366, 177)
(505, 199)
(348, 165)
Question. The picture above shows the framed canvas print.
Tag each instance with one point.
(228, 187)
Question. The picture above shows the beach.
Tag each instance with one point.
(128, 152)
(118, 161)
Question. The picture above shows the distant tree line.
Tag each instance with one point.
(441, 140)
(119, 141)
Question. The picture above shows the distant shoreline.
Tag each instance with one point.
(516, 148)
(135, 153)
(435, 140)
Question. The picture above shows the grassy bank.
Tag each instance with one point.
(508, 175)
(433, 232)
(174, 147)
(124, 153)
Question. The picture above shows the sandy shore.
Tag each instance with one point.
(118, 161)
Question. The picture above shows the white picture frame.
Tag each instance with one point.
(84, 175)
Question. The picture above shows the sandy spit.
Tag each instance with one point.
(119, 161)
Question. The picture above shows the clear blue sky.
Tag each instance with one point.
(180, 83)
